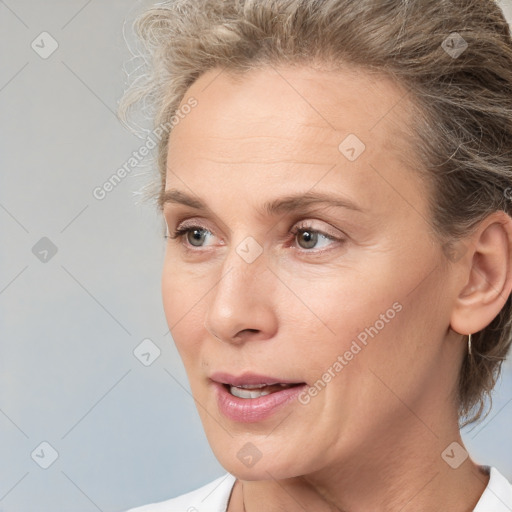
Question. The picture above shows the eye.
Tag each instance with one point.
(308, 237)
(197, 234)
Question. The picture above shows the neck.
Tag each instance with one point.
(401, 471)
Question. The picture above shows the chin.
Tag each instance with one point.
(260, 471)
(247, 462)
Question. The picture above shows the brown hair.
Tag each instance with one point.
(453, 56)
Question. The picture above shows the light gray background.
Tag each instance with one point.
(126, 434)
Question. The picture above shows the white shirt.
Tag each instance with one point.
(214, 497)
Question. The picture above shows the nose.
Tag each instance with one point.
(240, 304)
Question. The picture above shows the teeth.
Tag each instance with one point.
(245, 393)
(259, 386)
(254, 386)
(256, 390)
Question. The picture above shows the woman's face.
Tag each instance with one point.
(349, 300)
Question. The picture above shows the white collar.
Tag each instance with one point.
(497, 496)
(214, 496)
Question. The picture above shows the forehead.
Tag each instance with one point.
(279, 127)
(285, 104)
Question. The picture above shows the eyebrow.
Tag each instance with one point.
(286, 204)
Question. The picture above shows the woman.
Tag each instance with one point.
(334, 179)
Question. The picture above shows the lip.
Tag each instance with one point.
(248, 378)
(252, 410)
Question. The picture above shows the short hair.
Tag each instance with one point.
(453, 56)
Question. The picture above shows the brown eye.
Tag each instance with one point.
(309, 237)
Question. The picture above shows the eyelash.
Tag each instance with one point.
(180, 233)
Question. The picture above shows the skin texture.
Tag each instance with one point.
(372, 439)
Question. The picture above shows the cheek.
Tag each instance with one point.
(173, 307)
(184, 307)
(338, 310)
(180, 290)
(351, 326)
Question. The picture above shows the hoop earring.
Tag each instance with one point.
(469, 344)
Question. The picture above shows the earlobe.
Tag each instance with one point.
(486, 281)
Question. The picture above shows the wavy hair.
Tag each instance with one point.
(453, 56)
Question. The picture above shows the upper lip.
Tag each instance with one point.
(249, 378)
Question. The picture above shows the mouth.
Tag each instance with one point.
(249, 391)
(250, 398)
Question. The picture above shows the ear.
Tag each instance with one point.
(486, 274)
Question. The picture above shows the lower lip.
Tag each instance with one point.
(251, 410)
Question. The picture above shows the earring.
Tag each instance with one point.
(469, 344)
